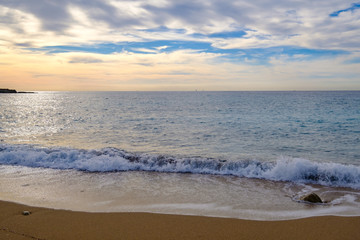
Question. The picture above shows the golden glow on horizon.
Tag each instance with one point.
(181, 70)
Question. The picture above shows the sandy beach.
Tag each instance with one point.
(59, 224)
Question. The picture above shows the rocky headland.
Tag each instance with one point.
(6, 90)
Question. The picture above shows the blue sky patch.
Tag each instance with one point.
(262, 56)
(234, 34)
(259, 56)
(135, 47)
(353, 61)
(352, 8)
(225, 35)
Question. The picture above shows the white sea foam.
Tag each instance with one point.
(112, 159)
(189, 194)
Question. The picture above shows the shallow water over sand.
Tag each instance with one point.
(190, 194)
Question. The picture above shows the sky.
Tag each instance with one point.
(172, 45)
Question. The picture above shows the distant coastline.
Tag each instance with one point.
(6, 90)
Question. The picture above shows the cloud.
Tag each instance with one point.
(85, 60)
(53, 15)
(254, 24)
(180, 40)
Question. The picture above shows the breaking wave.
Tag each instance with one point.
(111, 159)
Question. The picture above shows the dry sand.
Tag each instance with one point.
(58, 224)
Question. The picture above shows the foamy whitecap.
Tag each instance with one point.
(112, 159)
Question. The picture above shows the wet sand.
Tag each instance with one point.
(59, 224)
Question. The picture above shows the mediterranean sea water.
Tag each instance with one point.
(248, 155)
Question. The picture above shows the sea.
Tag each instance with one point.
(246, 155)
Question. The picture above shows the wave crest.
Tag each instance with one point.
(112, 159)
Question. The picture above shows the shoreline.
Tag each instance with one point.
(45, 223)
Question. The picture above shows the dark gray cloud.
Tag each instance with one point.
(52, 14)
(194, 13)
(109, 14)
(55, 15)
